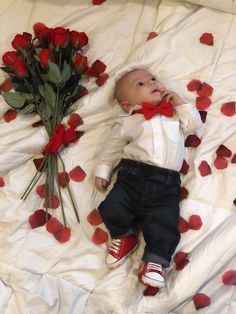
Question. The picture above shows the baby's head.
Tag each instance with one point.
(136, 87)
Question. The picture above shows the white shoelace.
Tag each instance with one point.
(154, 266)
(115, 246)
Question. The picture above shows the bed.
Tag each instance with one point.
(40, 275)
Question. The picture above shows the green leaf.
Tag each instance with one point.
(50, 95)
(66, 72)
(38, 50)
(28, 109)
(54, 74)
(41, 90)
(6, 69)
(16, 100)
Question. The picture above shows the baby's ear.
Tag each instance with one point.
(126, 105)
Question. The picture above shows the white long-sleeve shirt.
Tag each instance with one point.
(159, 141)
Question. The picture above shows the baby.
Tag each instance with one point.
(149, 140)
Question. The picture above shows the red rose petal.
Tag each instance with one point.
(102, 79)
(234, 202)
(6, 86)
(185, 167)
(183, 225)
(77, 174)
(94, 218)
(233, 160)
(38, 162)
(98, 2)
(228, 109)
(2, 183)
(205, 90)
(223, 151)
(75, 120)
(204, 168)
(203, 115)
(202, 103)
(192, 141)
(10, 115)
(99, 236)
(55, 203)
(183, 193)
(201, 300)
(40, 189)
(97, 68)
(195, 222)
(152, 35)
(63, 178)
(207, 39)
(54, 225)
(194, 85)
(38, 218)
(229, 278)
(63, 235)
(180, 260)
(150, 291)
(221, 163)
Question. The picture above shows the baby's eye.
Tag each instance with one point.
(140, 84)
(153, 78)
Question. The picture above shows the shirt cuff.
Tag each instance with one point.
(185, 110)
(103, 171)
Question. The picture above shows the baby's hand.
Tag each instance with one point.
(172, 97)
(101, 184)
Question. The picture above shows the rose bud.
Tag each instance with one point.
(21, 41)
(59, 36)
(78, 40)
(45, 56)
(80, 63)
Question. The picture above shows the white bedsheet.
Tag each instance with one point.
(40, 275)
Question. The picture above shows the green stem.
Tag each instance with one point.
(59, 191)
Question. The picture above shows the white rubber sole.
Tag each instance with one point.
(151, 282)
(123, 259)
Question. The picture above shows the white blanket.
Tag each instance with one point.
(40, 275)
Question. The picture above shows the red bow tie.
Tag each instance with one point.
(150, 110)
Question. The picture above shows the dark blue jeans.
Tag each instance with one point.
(147, 196)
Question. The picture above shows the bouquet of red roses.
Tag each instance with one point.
(45, 71)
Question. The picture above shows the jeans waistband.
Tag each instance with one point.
(164, 175)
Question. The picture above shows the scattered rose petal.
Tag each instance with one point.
(98, 2)
(185, 167)
(38, 218)
(75, 120)
(83, 92)
(194, 85)
(229, 278)
(2, 183)
(100, 236)
(6, 86)
(181, 260)
(228, 109)
(183, 193)
(37, 124)
(221, 163)
(97, 68)
(40, 189)
(102, 79)
(204, 168)
(54, 204)
(223, 151)
(205, 90)
(63, 235)
(207, 39)
(54, 225)
(202, 103)
(63, 179)
(38, 162)
(152, 35)
(150, 291)
(192, 141)
(233, 160)
(183, 225)
(77, 174)
(201, 300)
(203, 115)
(10, 115)
(195, 222)
(94, 218)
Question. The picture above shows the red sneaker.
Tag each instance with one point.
(152, 275)
(120, 249)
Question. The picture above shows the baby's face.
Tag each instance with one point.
(142, 86)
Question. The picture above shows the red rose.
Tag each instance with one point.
(78, 40)
(9, 58)
(20, 68)
(46, 55)
(21, 41)
(80, 63)
(59, 36)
